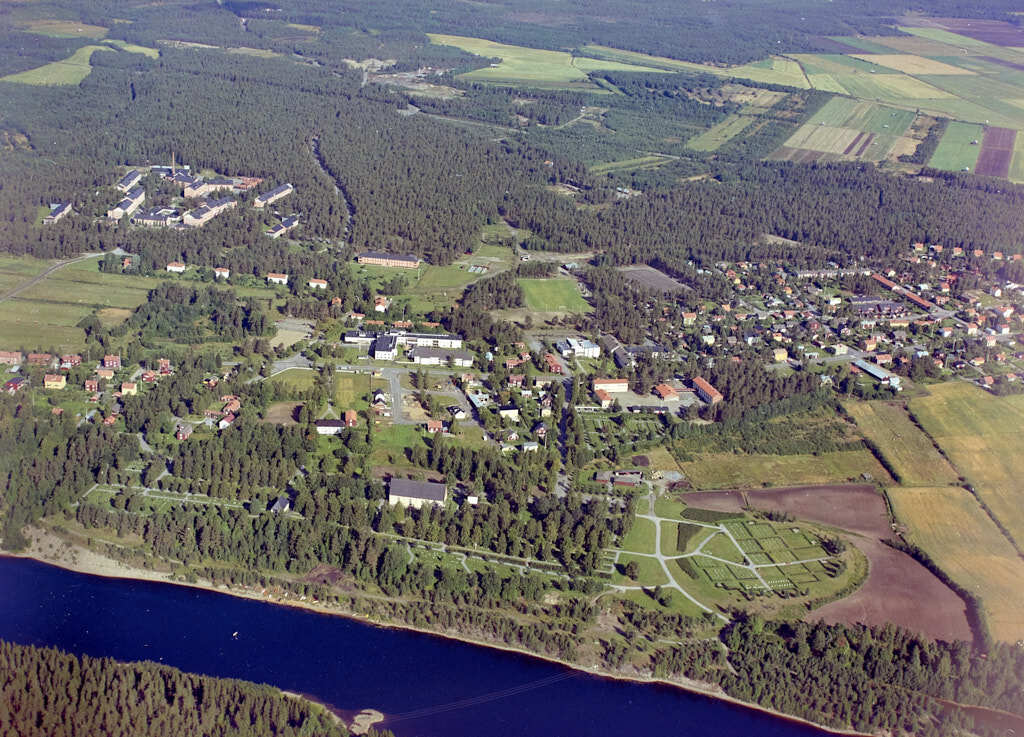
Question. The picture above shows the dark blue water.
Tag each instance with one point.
(429, 687)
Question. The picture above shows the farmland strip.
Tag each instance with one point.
(852, 143)
(865, 144)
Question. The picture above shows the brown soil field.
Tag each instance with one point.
(283, 413)
(996, 152)
(898, 588)
(651, 278)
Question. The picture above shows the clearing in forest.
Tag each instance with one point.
(908, 451)
(982, 436)
(65, 28)
(65, 72)
(952, 528)
(720, 133)
(531, 66)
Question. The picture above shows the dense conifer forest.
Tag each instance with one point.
(45, 691)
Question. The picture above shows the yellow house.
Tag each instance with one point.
(781, 354)
(55, 381)
(129, 389)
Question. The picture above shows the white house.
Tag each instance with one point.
(274, 278)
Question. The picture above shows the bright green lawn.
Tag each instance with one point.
(553, 295)
(66, 72)
(955, 151)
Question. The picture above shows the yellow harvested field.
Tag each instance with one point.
(909, 451)
(911, 64)
(983, 436)
(948, 523)
(827, 83)
(825, 138)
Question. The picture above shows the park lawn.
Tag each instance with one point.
(955, 151)
(726, 470)
(720, 546)
(68, 71)
(950, 525)
(640, 538)
(651, 572)
(553, 295)
(443, 279)
(295, 379)
(720, 133)
(679, 604)
(908, 450)
(981, 435)
(668, 507)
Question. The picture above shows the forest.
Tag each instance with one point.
(44, 691)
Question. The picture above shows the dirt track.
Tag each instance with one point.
(898, 589)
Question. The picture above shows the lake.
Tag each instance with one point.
(428, 686)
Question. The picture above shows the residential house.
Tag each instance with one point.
(176, 267)
(509, 413)
(351, 418)
(70, 360)
(780, 355)
(275, 278)
(221, 272)
(40, 359)
(92, 385)
(55, 381)
(13, 386)
(12, 358)
(381, 303)
(105, 373)
(603, 398)
(434, 426)
(329, 427)
(112, 361)
(281, 505)
(129, 389)
(226, 421)
(317, 284)
(416, 493)
(183, 431)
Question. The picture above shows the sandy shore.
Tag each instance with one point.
(47, 547)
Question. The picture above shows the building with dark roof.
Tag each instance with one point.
(268, 198)
(416, 493)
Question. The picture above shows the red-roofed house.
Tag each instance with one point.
(707, 392)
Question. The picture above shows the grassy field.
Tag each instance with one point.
(639, 163)
(295, 379)
(536, 66)
(980, 435)
(908, 450)
(725, 470)
(720, 133)
(1017, 165)
(912, 64)
(65, 29)
(553, 295)
(949, 525)
(956, 151)
(349, 390)
(845, 129)
(134, 48)
(391, 442)
(640, 538)
(66, 72)
(651, 572)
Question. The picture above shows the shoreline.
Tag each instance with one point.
(90, 563)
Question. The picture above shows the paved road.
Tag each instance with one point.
(36, 279)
